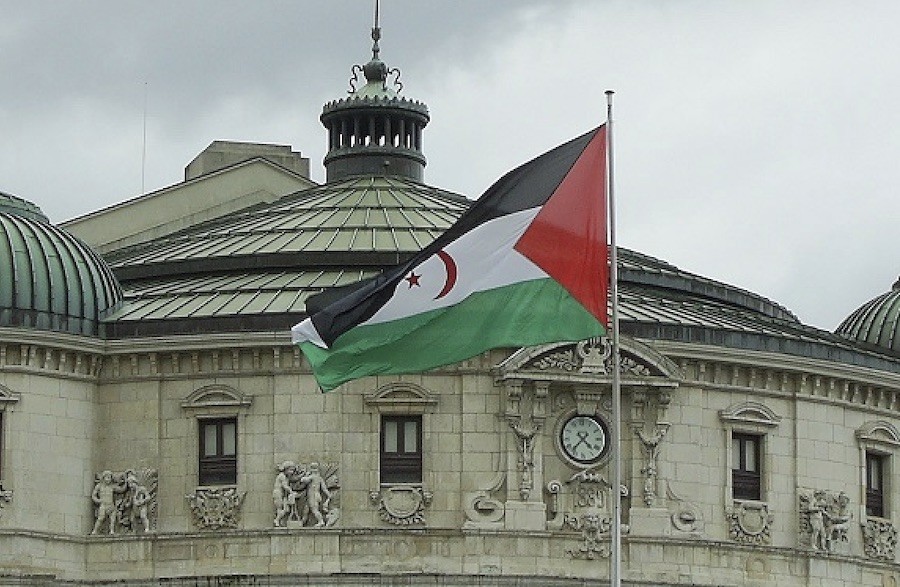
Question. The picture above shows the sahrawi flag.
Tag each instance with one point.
(525, 265)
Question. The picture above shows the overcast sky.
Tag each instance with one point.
(757, 143)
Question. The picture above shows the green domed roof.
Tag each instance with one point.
(16, 205)
(51, 280)
(877, 322)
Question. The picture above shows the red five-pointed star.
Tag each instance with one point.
(413, 279)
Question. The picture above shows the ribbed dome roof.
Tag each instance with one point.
(51, 280)
(355, 222)
(876, 321)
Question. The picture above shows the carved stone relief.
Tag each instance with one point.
(526, 412)
(482, 510)
(824, 519)
(401, 505)
(879, 539)
(125, 501)
(582, 503)
(590, 356)
(750, 522)
(5, 498)
(215, 508)
(306, 495)
(650, 444)
(685, 515)
(595, 532)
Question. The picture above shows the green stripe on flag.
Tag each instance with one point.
(523, 314)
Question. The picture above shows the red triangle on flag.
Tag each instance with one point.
(567, 239)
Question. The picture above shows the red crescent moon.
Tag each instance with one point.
(450, 264)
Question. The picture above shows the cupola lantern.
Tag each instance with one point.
(374, 131)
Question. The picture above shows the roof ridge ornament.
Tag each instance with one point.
(375, 70)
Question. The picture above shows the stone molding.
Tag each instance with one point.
(796, 382)
(752, 413)
(48, 359)
(879, 432)
(8, 397)
(216, 396)
(243, 357)
(401, 398)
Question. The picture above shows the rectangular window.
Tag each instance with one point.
(875, 477)
(401, 449)
(218, 451)
(746, 466)
(1, 449)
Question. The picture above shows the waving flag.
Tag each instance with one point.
(525, 265)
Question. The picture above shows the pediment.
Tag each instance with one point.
(591, 357)
(216, 396)
(880, 432)
(7, 396)
(750, 413)
(401, 397)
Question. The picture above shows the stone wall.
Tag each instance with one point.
(498, 500)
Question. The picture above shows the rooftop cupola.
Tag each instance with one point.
(374, 131)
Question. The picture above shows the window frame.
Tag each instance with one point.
(400, 466)
(742, 420)
(220, 468)
(8, 400)
(747, 483)
(875, 502)
(877, 439)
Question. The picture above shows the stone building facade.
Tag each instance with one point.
(157, 426)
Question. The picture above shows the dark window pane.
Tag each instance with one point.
(401, 449)
(410, 436)
(746, 473)
(875, 472)
(229, 438)
(218, 452)
(390, 436)
(210, 446)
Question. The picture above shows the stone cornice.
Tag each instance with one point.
(441, 534)
(778, 361)
(773, 374)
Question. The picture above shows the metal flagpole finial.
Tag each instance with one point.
(376, 32)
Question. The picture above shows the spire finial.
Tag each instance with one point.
(376, 32)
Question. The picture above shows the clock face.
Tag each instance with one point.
(583, 439)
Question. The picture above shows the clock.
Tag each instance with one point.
(584, 439)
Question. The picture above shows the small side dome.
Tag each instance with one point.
(876, 322)
(16, 205)
(51, 280)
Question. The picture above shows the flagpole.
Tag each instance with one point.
(616, 562)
